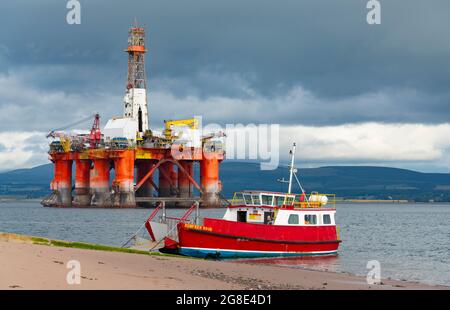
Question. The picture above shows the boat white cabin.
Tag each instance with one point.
(260, 207)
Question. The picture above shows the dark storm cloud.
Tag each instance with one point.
(254, 53)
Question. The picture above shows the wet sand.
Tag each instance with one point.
(24, 265)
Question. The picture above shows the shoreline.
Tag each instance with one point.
(338, 202)
(38, 263)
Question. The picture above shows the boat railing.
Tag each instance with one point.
(237, 201)
(172, 231)
(160, 206)
(164, 217)
(172, 223)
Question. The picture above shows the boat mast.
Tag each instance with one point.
(291, 170)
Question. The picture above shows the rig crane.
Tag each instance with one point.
(95, 136)
(192, 123)
(93, 139)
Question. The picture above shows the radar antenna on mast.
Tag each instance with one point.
(292, 169)
(293, 173)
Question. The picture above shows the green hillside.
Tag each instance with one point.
(345, 181)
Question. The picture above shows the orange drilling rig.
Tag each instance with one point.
(128, 147)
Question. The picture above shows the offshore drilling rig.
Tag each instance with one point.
(128, 147)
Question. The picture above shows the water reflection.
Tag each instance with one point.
(324, 263)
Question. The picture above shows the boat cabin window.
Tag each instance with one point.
(293, 219)
(248, 199)
(256, 200)
(279, 200)
(326, 219)
(310, 219)
(267, 200)
(242, 216)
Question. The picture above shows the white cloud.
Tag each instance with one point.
(22, 150)
(368, 143)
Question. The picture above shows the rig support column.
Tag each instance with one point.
(209, 177)
(174, 179)
(82, 197)
(164, 184)
(142, 168)
(62, 182)
(124, 180)
(184, 185)
(99, 180)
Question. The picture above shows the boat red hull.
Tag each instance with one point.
(221, 238)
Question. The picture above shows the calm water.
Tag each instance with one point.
(411, 241)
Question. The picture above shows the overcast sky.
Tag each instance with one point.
(348, 92)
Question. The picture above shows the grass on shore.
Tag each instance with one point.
(77, 245)
(89, 246)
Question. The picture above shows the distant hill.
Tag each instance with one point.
(26, 183)
(344, 181)
(37, 175)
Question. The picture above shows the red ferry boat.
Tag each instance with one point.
(255, 224)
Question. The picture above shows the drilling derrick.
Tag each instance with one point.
(127, 147)
(135, 100)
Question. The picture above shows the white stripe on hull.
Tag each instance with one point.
(252, 251)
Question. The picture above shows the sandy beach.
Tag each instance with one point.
(24, 265)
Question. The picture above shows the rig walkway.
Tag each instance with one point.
(167, 199)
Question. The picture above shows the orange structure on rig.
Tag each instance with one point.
(117, 167)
